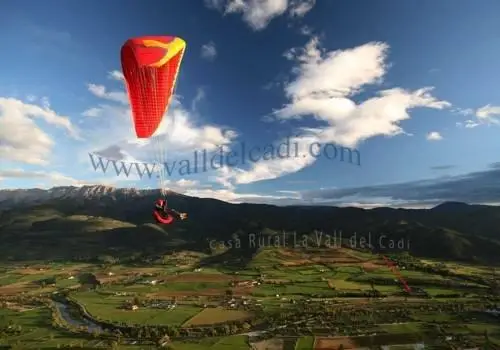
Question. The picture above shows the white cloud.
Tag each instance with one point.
(234, 197)
(323, 88)
(488, 114)
(209, 51)
(326, 82)
(434, 136)
(338, 73)
(200, 95)
(49, 179)
(54, 178)
(183, 186)
(298, 8)
(463, 111)
(468, 124)
(277, 167)
(101, 92)
(485, 115)
(22, 139)
(259, 13)
(92, 112)
(116, 75)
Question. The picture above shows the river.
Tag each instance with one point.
(76, 322)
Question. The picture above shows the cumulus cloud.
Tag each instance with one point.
(326, 82)
(486, 115)
(434, 136)
(209, 51)
(92, 112)
(489, 114)
(298, 8)
(116, 75)
(276, 167)
(101, 92)
(22, 138)
(200, 95)
(183, 186)
(323, 88)
(259, 13)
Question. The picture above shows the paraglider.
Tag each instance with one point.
(165, 215)
(150, 66)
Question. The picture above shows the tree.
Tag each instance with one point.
(118, 334)
(107, 259)
(174, 332)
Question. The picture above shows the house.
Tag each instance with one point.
(164, 341)
(246, 283)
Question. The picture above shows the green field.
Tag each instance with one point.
(225, 343)
(108, 308)
(36, 331)
(282, 291)
(305, 343)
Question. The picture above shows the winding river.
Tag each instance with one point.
(76, 322)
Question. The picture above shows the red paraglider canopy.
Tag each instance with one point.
(150, 65)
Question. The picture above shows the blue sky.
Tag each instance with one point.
(411, 85)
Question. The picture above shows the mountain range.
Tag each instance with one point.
(91, 221)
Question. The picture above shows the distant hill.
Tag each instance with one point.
(89, 221)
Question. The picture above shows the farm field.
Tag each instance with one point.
(356, 295)
(217, 315)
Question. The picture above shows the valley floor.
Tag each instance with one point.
(284, 299)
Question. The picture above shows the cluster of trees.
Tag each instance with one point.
(9, 328)
(152, 332)
(409, 262)
(50, 281)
